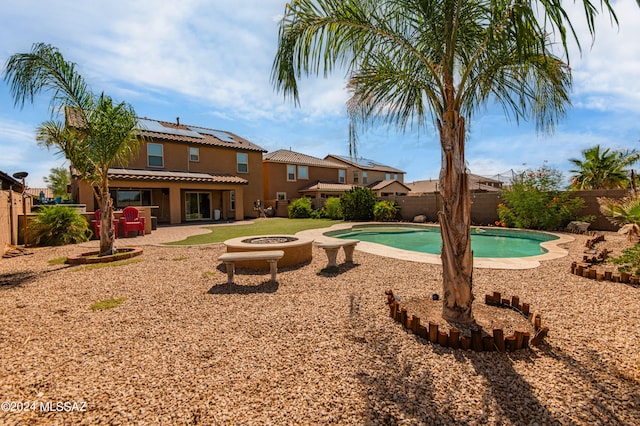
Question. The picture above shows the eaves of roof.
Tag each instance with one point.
(168, 176)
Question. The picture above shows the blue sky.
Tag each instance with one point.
(209, 62)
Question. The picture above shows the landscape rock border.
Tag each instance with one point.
(91, 257)
(520, 339)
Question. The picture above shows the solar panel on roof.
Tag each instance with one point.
(223, 136)
(154, 126)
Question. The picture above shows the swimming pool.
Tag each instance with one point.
(485, 242)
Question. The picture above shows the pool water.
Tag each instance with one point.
(485, 242)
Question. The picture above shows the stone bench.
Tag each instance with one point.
(270, 256)
(333, 247)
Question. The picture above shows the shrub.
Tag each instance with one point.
(300, 208)
(629, 261)
(333, 208)
(357, 203)
(57, 226)
(385, 211)
(535, 201)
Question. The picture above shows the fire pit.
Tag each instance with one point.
(297, 250)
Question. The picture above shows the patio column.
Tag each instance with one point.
(175, 206)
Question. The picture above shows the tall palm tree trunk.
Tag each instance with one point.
(455, 221)
(107, 232)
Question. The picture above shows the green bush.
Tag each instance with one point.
(385, 211)
(629, 261)
(57, 226)
(535, 201)
(357, 203)
(300, 208)
(333, 209)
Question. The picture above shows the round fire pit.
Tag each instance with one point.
(297, 250)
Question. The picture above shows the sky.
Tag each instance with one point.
(209, 63)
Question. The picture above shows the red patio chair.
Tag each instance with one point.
(96, 224)
(131, 220)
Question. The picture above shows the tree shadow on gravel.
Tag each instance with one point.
(513, 394)
(16, 279)
(395, 390)
(613, 387)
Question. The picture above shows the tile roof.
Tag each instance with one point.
(292, 157)
(363, 163)
(166, 176)
(327, 186)
(175, 132)
(35, 192)
(476, 183)
(376, 186)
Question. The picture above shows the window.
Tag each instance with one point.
(130, 197)
(387, 176)
(395, 176)
(291, 172)
(243, 162)
(194, 154)
(341, 176)
(281, 196)
(232, 200)
(355, 177)
(364, 178)
(154, 155)
(303, 172)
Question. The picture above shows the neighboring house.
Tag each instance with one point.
(186, 173)
(476, 184)
(364, 172)
(289, 175)
(388, 188)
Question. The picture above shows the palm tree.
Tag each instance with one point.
(409, 60)
(600, 169)
(97, 132)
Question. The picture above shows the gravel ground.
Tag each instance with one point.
(186, 348)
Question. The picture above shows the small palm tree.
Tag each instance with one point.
(603, 169)
(624, 213)
(97, 132)
(411, 60)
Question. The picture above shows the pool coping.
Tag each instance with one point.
(553, 247)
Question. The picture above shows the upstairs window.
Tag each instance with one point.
(364, 178)
(243, 162)
(291, 172)
(387, 176)
(303, 172)
(155, 156)
(355, 177)
(194, 154)
(341, 176)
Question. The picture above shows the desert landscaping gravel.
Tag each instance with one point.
(316, 348)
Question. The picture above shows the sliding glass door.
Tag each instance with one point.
(197, 205)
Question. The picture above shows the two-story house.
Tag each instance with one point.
(185, 173)
(289, 175)
(383, 180)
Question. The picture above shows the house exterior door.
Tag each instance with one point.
(197, 205)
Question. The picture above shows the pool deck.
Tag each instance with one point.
(553, 247)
